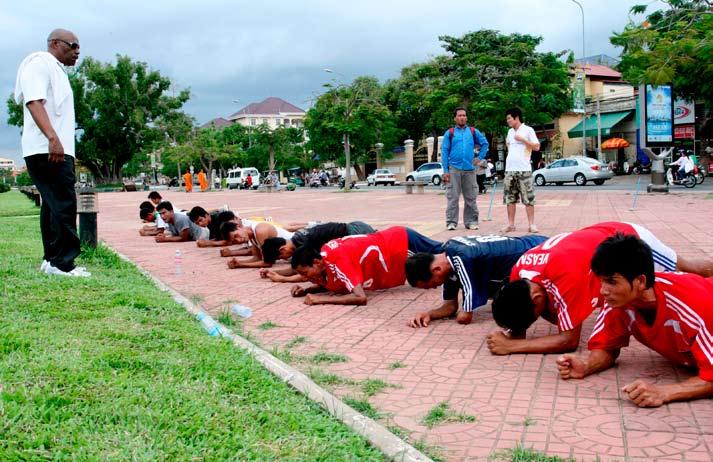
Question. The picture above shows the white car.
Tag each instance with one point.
(431, 172)
(577, 169)
(381, 176)
(237, 176)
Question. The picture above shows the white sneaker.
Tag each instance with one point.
(472, 226)
(451, 226)
(43, 266)
(76, 272)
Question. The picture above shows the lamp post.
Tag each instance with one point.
(584, 71)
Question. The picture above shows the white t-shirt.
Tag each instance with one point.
(36, 85)
(518, 159)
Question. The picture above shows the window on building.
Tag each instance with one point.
(266, 121)
(253, 122)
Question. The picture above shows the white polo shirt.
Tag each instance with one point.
(518, 159)
(36, 84)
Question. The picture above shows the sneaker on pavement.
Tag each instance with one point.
(472, 226)
(76, 272)
(451, 226)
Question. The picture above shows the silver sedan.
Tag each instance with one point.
(576, 169)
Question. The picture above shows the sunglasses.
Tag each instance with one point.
(72, 45)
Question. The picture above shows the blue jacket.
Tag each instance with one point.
(459, 152)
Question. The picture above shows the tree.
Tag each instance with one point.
(486, 72)
(121, 110)
(349, 116)
(674, 46)
(276, 148)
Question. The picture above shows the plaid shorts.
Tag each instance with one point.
(518, 186)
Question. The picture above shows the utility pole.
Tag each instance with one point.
(584, 71)
(599, 130)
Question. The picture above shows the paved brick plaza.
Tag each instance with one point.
(516, 399)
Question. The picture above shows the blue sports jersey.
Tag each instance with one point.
(419, 243)
(482, 262)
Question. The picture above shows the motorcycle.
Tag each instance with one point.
(689, 180)
(314, 182)
(640, 168)
(342, 182)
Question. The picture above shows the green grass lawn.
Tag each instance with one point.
(110, 368)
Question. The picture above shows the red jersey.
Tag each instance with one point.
(561, 265)
(681, 330)
(376, 261)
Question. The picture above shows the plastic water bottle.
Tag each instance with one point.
(209, 324)
(178, 260)
(241, 310)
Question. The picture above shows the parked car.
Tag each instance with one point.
(577, 169)
(431, 172)
(381, 176)
(237, 176)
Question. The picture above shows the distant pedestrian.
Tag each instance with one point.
(203, 181)
(521, 141)
(43, 89)
(188, 180)
(458, 146)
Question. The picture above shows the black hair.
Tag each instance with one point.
(197, 212)
(418, 268)
(165, 205)
(224, 216)
(459, 108)
(513, 307)
(155, 195)
(305, 256)
(626, 255)
(145, 212)
(271, 249)
(515, 113)
(227, 228)
(146, 205)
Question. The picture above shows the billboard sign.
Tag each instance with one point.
(659, 115)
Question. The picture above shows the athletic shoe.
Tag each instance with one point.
(451, 227)
(76, 272)
(472, 226)
(43, 266)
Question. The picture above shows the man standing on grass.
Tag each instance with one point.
(458, 170)
(521, 141)
(43, 88)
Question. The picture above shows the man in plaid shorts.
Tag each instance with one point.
(521, 141)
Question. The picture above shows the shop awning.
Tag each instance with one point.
(608, 121)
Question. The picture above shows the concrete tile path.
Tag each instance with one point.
(517, 399)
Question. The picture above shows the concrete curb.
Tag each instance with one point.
(392, 446)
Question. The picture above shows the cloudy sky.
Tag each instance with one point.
(249, 50)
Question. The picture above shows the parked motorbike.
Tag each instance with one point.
(640, 168)
(342, 181)
(689, 180)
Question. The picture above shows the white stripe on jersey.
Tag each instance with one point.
(562, 309)
(599, 325)
(341, 276)
(465, 283)
(693, 320)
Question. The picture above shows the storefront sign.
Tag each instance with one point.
(684, 132)
(578, 93)
(684, 112)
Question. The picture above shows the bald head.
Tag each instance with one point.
(64, 46)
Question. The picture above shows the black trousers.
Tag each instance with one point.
(480, 179)
(58, 214)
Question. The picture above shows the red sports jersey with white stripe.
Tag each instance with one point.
(683, 327)
(561, 265)
(377, 260)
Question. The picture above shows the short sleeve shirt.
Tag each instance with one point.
(35, 83)
(518, 159)
(181, 222)
(562, 266)
(681, 331)
(480, 262)
(376, 261)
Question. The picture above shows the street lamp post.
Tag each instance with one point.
(584, 71)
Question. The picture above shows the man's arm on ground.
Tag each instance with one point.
(645, 394)
(356, 297)
(183, 236)
(572, 366)
(208, 243)
(236, 252)
(565, 341)
(422, 319)
(300, 291)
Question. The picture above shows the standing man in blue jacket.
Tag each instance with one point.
(457, 152)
